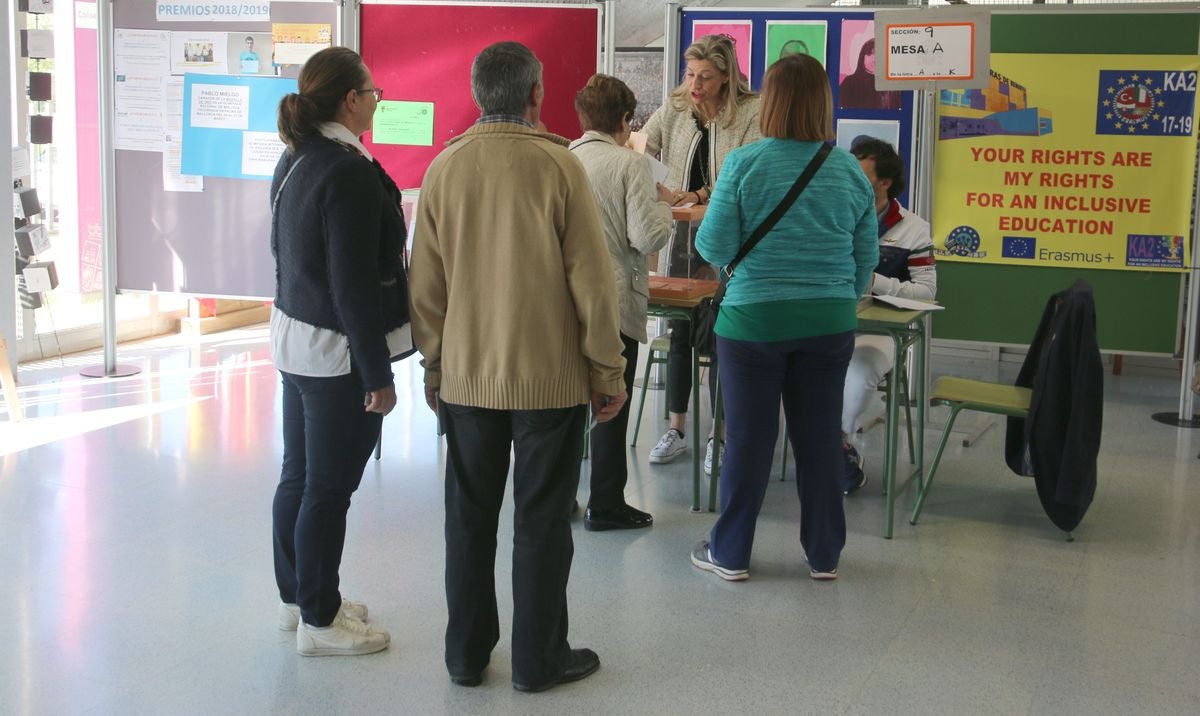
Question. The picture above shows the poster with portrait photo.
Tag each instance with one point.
(642, 70)
(796, 37)
(250, 53)
(199, 53)
(850, 129)
(856, 70)
(738, 30)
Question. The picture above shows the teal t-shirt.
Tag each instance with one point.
(787, 320)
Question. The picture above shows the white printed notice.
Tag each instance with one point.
(140, 61)
(220, 107)
(173, 177)
(936, 51)
(260, 153)
(948, 46)
(212, 11)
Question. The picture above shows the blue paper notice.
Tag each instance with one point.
(230, 125)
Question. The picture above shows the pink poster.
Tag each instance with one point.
(739, 31)
(856, 69)
(87, 171)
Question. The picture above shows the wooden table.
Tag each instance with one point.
(674, 298)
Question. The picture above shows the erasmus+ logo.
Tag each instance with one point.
(1019, 247)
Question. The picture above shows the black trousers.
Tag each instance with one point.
(548, 445)
(327, 440)
(679, 369)
(609, 453)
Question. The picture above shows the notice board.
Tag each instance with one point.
(1136, 311)
(175, 238)
(420, 54)
(839, 39)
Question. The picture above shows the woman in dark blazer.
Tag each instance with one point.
(340, 315)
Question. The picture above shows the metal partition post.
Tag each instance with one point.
(671, 24)
(610, 37)
(108, 198)
(347, 34)
(1187, 398)
(8, 281)
(926, 131)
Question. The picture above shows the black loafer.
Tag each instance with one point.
(620, 518)
(467, 679)
(581, 664)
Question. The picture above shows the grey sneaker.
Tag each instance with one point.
(708, 461)
(669, 447)
(821, 575)
(289, 614)
(346, 636)
(702, 558)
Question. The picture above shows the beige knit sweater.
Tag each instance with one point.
(513, 303)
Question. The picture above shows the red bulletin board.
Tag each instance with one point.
(423, 53)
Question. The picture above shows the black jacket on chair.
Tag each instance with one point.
(1058, 443)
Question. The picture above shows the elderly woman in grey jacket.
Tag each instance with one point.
(711, 113)
(637, 222)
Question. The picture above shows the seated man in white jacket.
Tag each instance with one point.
(906, 269)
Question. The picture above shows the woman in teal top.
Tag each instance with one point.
(786, 326)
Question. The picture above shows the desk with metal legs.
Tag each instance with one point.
(906, 329)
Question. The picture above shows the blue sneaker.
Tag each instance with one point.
(854, 477)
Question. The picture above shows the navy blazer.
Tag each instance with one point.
(338, 238)
(1059, 441)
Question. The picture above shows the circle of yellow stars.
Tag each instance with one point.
(1133, 127)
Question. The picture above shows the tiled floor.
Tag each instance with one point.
(135, 551)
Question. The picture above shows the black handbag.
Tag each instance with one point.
(704, 315)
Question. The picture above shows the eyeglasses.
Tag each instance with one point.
(377, 91)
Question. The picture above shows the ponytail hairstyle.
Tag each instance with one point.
(325, 80)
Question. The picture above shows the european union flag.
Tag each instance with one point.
(1019, 247)
(1146, 103)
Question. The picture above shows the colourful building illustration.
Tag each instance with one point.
(999, 109)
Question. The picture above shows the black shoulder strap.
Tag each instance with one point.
(769, 223)
(577, 146)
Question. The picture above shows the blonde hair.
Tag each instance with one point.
(719, 50)
(797, 102)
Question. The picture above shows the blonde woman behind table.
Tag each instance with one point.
(711, 113)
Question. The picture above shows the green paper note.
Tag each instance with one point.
(403, 123)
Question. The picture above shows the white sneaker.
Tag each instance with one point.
(669, 447)
(346, 636)
(289, 614)
(708, 457)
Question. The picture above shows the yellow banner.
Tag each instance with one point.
(1069, 160)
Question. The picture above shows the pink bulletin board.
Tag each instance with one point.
(423, 53)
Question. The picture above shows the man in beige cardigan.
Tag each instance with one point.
(515, 313)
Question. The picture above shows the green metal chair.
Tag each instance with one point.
(962, 394)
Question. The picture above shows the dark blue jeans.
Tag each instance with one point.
(327, 440)
(808, 375)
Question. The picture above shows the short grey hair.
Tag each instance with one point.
(502, 77)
